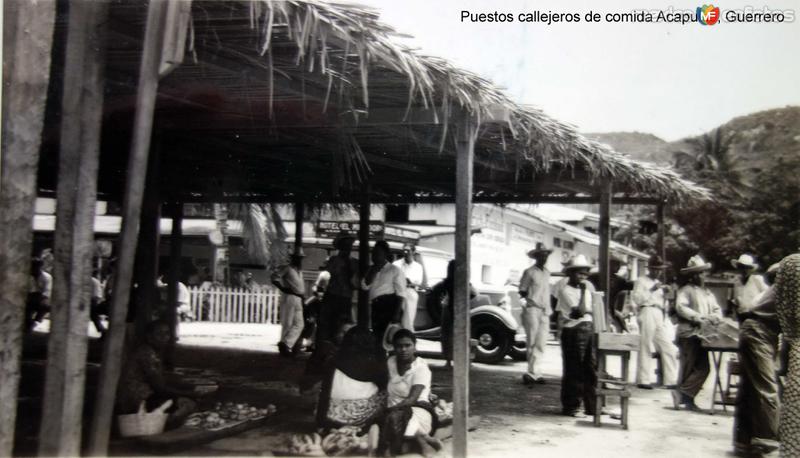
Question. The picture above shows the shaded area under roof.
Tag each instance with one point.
(304, 100)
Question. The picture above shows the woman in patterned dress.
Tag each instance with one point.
(787, 294)
(354, 390)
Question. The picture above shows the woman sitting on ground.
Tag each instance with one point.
(410, 415)
(142, 380)
(354, 390)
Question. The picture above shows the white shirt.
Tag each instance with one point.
(96, 289)
(388, 280)
(183, 294)
(745, 295)
(568, 298)
(413, 271)
(399, 386)
(536, 282)
(643, 294)
(694, 302)
(42, 284)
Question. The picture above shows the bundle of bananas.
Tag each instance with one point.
(345, 442)
(305, 445)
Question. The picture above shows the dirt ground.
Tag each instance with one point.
(514, 420)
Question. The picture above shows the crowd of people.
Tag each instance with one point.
(766, 310)
(389, 397)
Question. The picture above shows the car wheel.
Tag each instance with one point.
(493, 338)
(518, 352)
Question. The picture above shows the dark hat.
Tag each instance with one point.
(655, 262)
(540, 248)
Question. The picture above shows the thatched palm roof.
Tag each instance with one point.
(305, 100)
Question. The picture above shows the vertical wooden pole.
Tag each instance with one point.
(298, 228)
(27, 41)
(465, 147)
(82, 104)
(364, 317)
(147, 295)
(660, 248)
(175, 246)
(134, 190)
(604, 232)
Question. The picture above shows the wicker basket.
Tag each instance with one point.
(141, 424)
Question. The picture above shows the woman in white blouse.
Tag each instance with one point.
(410, 415)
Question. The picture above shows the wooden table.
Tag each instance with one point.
(717, 352)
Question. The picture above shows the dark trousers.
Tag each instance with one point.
(694, 366)
(580, 368)
(334, 313)
(447, 332)
(757, 398)
(384, 309)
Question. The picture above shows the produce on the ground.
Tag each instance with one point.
(345, 441)
(444, 410)
(227, 413)
(305, 445)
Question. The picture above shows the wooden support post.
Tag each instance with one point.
(660, 248)
(174, 276)
(134, 191)
(465, 146)
(364, 315)
(27, 42)
(147, 296)
(82, 104)
(604, 232)
(298, 229)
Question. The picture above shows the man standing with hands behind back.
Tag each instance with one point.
(387, 287)
(534, 291)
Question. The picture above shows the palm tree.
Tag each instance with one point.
(708, 159)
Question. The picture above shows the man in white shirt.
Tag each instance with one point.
(648, 297)
(577, 345)
(39, 294)
(413, 272)
(534, 290)
(748, 285)
(387, 286)
(289, 281)
(695, 306)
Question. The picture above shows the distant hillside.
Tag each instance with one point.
(641, 146)
(754, 140)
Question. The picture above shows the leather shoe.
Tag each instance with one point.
(644, 386)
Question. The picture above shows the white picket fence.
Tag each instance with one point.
(235, 305)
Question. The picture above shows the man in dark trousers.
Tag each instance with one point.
(387, 287)
(755, 427)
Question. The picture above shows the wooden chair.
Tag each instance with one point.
(621, 345)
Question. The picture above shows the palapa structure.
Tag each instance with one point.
(283, 101)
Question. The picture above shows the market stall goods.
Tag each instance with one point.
(227, 415)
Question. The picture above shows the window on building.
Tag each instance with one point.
(556, 242)
(568, 245)
(486, 274)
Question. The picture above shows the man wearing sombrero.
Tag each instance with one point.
(748, 285)
(649, 298)
(577, 345)
(534, 290)
(695, 306)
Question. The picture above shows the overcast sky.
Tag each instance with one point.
(671, 80)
